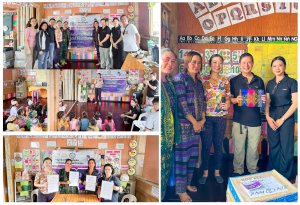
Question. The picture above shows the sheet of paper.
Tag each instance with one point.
(106, 190)
(24, 193)
(124, 184)
(52, 183)
(24, 183)
(73, 177)
(90, 183)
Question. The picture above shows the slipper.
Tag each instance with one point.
(219, 179)
(202, 180)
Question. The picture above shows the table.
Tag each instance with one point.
(75, 198)
(38, 89)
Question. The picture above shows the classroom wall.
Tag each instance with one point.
(144, 18)
(7, 74)
(151, 162)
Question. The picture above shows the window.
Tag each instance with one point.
(155, 20)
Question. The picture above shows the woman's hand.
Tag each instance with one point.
(272, 123)
(79, 181)
(263, 98)
(57, 45)
(197, 127)
(239, 98)
(70, 44)
(224, 106)
(96, 184)
(45, 184)
(279, 122)
(41, 52)
(29, 52)
(58, 183)
(123, 115)
(84, 183)
(116, 188)
(201, 123)
(69, 182)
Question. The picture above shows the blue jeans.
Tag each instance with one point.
(51, 51)
(42, 60)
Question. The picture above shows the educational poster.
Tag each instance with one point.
(165, 18)
(198, 8)
(55, 17)
(294, 7)
(251, 10)
(208, 53)
(263, 53)
(265, 8)
(111, 18)
(282, 7)
(182, 53)
(226, 70)
(133, 76)
(63, 19)
(221, 18)
(236, 14)
(85, 75)
(113, 80)
(44, 154)
(181, 67)
(207, 23)
(79, 158)
(31, 160)
(113, 157)
(235, 55)
(18, 159)
(205, 70)
(225, 53)
(235, 70)
(213, 5)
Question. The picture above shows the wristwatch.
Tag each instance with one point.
(283, 119)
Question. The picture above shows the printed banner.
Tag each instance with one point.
(79, 159)
(113, 80)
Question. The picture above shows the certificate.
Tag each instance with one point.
(90, 183)
(106, 190)
(73, 178)
(52, 183)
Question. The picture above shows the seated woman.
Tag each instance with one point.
(64, 174)
(107, 173)
(90, 171)
(133, 113)
(40, 181)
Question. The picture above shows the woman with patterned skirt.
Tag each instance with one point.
(64, 179)
(191, 112)
(169, 118)
(66, 41)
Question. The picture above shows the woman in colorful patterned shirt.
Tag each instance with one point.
(191, 113)
(90, 171)
(64, 176)
(169, 118)
(58, 45)
(98, 88)
(216, 88)
(41, 181)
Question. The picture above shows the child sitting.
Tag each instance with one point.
(98, 119)
(109, 121)
(90, 129)
(73, 123)
(62, 107)
(39, 108)
(45, 111)
(14, 108)
(21, 118)
(93, 123)
(62, 129)
(107, 127)
(12, 124)
(84, 122)
(42, 124)
(29, 109)
(62, 120)
(31, 115)
(35, 126)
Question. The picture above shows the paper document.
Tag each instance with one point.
(106, 190)
(52, 183)
(90, 183)
(73, 177)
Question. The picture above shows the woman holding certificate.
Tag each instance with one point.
(110, 191)
(41, 181)
(64, 176)
(90, 171)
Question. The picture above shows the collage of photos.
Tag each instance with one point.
(209, 88)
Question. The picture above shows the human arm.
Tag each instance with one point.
(37, 181)
(137, 39)
(104, 40)
(56, 34)
(26, 41)
(290, 111)
(270, 120)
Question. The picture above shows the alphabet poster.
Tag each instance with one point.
(282, 7)
(113, 157)
(221, 18)
(236, 14)
(208, 53)
(265, 8)
(213, 5)
(251, 10)
(207, 23)
(294, 7)
(198, 8)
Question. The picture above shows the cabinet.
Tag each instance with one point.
(82, 93)
(18, 197)
(21, 88)
(130, 188)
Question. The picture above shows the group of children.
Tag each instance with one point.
(31, 118)
(73, 123)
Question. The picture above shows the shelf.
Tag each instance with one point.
(26, 190)
(26, 200)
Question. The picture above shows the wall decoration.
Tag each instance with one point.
(132, 162)
(68, 12)
(56, 13)
(226, 70)
(294, 7)
(198, 8)
(120, 11)
(235, 70)
(31, 160)
(18, 159)
(213, 5)
(236, 14)
(131, 15)
(130, 9)
(235, 55)
(111, 18)
(131, 171)
(251, 10)
(225, 53)
(282, 7)
(266, 8)
(208, 53)
(113, 157)
(182, 53)
(106, 11)
(205, 70)
(221, 18)
(180, 67)
(207, 23)
(165, 17)
(133, 76)
(132, 144)
(132, 152)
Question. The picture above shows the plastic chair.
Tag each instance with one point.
(139, 123)
(36, 191)
(130, 197)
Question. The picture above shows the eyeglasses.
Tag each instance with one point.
(195, 62)
(168, 60)
(274, 90)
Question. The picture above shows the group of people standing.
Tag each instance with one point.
(64, 180)
(194, 107)
(54, 42)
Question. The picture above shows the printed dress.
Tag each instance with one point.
(41, 178)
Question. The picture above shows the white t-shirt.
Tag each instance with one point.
(129, 38)
(152, 122)
(14, 111)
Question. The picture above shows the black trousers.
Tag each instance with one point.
(98, 94)
(281, 144)
(118, 56)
